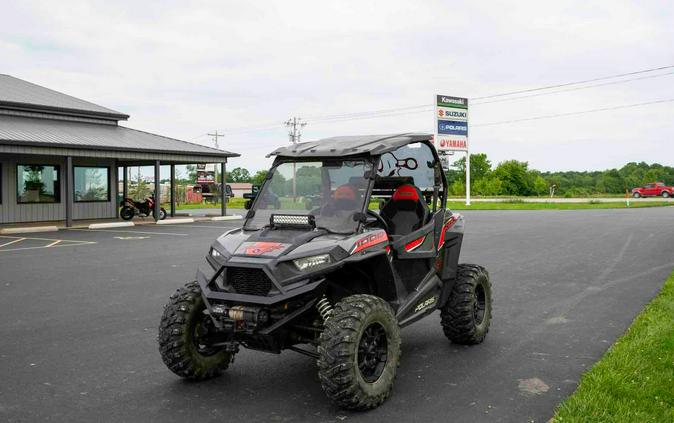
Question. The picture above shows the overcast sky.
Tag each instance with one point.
(183, 69)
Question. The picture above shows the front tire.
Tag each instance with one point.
(359, 352)
(466, 316)
(636, 195)
(182, 327)
(665, 194)
(126, 213)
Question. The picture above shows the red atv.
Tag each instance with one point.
(653, 189)
(131, 208)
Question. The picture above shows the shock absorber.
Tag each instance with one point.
(324, 308)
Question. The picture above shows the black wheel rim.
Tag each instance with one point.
(479, 305)
(372, 352)
(203, 326)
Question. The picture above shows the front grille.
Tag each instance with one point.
(249, 281)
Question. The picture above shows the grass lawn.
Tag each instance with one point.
(238, 203)
(521, 205)
(634, 381)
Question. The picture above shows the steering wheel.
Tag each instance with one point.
(378, 219)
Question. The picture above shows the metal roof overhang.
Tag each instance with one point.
(130, 155)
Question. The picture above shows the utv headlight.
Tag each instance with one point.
(313, 261)
(215, 253)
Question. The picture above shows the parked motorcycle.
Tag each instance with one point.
(131, 208)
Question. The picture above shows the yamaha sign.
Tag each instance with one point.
(451, 123)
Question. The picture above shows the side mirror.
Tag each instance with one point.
(248, 204)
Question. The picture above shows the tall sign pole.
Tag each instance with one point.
(451, 129)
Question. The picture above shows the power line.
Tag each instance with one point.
(622, 81)
(573, 83)
(603, 109)
(582, 112)
(423, 108)
(426, 108)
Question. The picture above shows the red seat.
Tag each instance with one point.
(406, 211)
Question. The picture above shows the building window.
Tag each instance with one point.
(92, 183)
(38, 184)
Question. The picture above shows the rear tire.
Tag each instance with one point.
(466, 316)
(359, 352)
(126, 213)
(180, 329)
(665, 194)
(162, 213)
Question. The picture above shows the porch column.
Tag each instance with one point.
(223, 191)
(173, 190)
(157, 189)
(125, 183)
(69, 191)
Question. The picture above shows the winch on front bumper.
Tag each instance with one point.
(253, 319)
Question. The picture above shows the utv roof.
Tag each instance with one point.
(373, 145)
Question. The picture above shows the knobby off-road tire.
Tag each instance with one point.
(348, 341)
(466, 316)
(182, 323)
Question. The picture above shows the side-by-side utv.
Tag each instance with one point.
(347, 241)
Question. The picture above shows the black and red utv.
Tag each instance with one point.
(347, 241)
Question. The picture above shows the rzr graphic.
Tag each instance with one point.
(318, 272)
(260, 248)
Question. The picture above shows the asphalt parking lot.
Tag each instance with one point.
(78, 325)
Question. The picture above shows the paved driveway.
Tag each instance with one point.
(78, 326)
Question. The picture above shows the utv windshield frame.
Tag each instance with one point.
(365, 201)
(370, 152)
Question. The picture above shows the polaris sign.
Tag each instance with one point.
(451, 123)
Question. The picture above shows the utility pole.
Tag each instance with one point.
(215, 138)
(295, 124)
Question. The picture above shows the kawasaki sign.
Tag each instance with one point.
(451, 123)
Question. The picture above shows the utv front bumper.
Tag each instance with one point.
(281, 294)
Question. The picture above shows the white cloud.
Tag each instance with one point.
(184, 69)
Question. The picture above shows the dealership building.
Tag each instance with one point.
(61, 157)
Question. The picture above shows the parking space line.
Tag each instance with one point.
(12, 242)
(52, 243)
(55, 246)
(208, 226)
(132, 232)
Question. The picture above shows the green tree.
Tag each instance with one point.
(611, 182)
(259, 177)
(541, 186)
(480, 167)
(515, 177)
(487, 186)
(238, 174)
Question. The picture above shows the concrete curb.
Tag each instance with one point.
(25, 230)
(111, 225)
(232, 217)
(175, 221)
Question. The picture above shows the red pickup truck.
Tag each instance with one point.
(653, 189)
